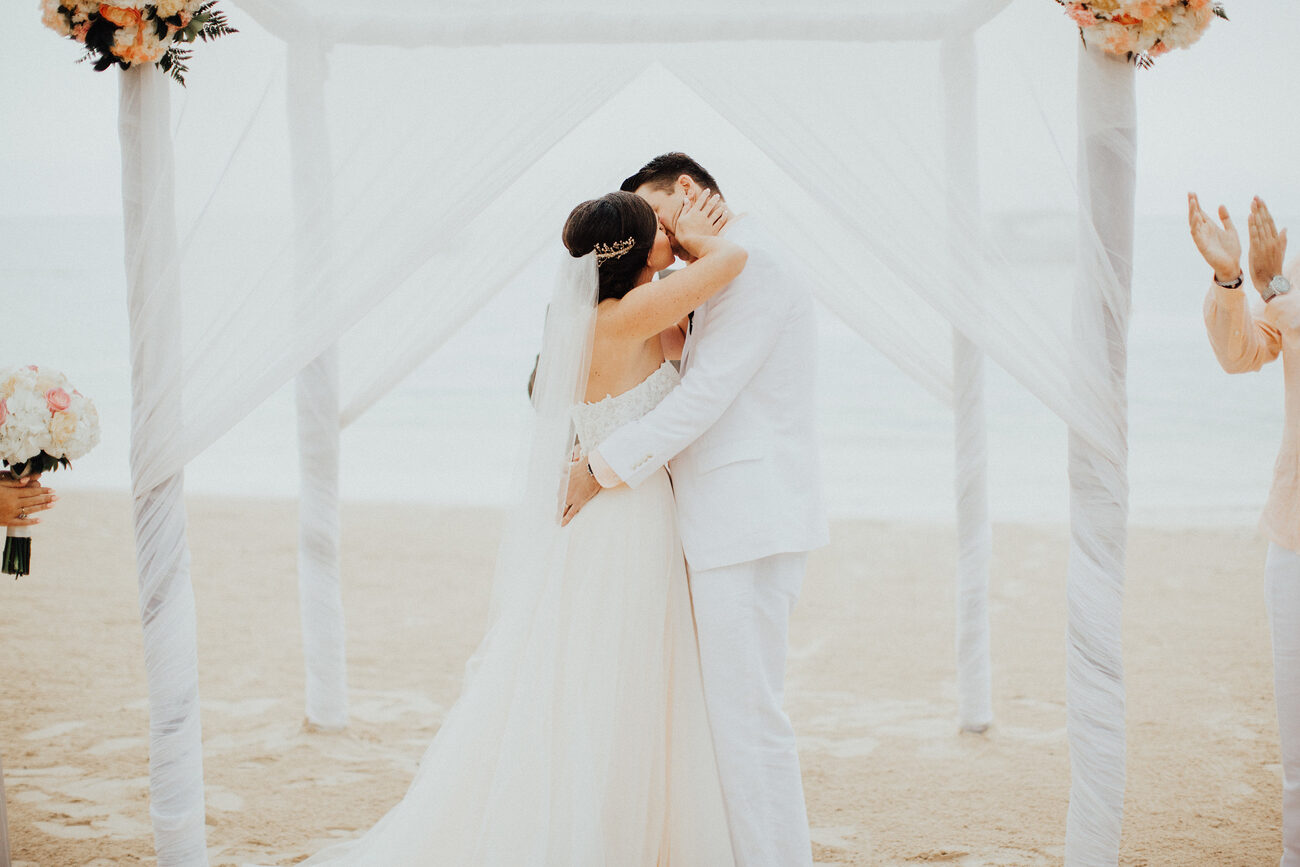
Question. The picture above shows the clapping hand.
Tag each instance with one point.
(1221, 247)
(1267, 246)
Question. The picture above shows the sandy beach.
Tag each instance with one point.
(889, 779)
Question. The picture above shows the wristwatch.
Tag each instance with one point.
(1279, 285)
(1235, 284)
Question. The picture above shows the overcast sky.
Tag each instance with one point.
(1223, 118)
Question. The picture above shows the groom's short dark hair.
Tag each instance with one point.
(662, 173)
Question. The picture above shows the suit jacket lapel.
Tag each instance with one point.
(697, 321)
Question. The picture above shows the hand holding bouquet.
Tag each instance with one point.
(21, 499)
(44, 424)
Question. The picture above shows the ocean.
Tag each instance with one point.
(1202, 443)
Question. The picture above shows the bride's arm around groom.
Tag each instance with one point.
(724, 353)
(739, 430)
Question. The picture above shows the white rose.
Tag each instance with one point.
(63, 428)
(16, 379)
(26, 430)
(84, 436)
(46, 379)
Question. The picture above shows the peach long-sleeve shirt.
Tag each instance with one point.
(1245, 339)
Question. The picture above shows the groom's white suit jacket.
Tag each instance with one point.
(739, 433)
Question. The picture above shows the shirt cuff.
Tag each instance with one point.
(602, 471)
(1228, 296)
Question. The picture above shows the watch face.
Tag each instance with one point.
(1280, 285)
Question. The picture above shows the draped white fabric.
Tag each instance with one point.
(262, 299)
(1099, 470)
(522, 22)
(176, 801)
(436, 174)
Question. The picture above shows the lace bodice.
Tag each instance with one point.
(596, 421)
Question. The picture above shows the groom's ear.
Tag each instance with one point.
(686, 184)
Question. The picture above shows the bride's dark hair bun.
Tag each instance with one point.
(611, 219)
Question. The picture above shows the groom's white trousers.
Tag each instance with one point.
(742, 615)
(1282, 573)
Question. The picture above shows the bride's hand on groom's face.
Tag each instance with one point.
(699, 218)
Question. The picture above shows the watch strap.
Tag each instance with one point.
(1270, 292)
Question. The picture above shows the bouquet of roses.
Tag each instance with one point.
(45, 423)
(126, 32)
(1142, 30)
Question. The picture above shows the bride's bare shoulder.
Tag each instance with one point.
(608, 310)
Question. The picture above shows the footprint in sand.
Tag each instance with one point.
(840, 748)
(221, 799)
(939, 856)
(117, 745)
(994, 858)
(377, 706)
(842, 837)
(54, 731)
(79, 830)
(242, 708)
(1032, 735)
(112, 825)
(53, 771)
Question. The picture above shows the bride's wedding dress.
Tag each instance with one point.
(580, 739)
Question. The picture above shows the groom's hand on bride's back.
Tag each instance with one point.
(581, 488)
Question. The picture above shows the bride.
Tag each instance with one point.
(580, 737)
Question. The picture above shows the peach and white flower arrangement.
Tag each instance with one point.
(129, 32)
(1142, 30)
(45, 424)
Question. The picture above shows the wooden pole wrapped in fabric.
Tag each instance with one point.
(176, 802)
(320, 597)
(974, 535)
(1099, 466)
(4, 823)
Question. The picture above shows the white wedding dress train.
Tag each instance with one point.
(580, 739)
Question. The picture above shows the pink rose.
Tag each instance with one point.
(57, 400)
(1081, 15)
(1144, 9)
(4, 411)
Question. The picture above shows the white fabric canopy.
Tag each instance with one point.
(427, 177)
(519, 22)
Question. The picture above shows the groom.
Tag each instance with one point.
(739, 432)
